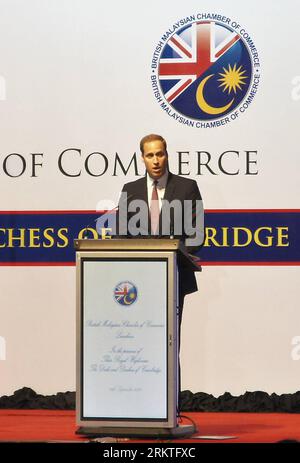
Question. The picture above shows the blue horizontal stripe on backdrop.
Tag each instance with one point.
(257, 236)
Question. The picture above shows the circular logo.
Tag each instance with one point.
(125, 293)
(205, 71)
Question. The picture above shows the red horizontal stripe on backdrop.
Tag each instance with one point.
(37, 264)
(201, 264)
(232, 211)
(256, 263)
(209, 211)
(50, 212)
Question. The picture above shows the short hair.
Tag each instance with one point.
(152, 137)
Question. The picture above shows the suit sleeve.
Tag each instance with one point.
(194, 219)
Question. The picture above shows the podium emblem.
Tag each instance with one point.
(125, 293)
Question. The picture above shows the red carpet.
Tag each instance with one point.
(54, 425)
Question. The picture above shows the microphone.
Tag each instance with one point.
(171, 224)
(107, 212)
(84, 235)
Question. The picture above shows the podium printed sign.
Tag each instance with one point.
(124, 339)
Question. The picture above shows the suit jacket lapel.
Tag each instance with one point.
(168, 196)
(170, 188)
(142, 193)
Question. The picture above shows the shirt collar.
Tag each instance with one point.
(161, 182)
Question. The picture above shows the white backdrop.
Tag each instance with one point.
(77, 75)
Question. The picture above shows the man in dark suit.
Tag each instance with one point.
(184, 221)
(173, 208)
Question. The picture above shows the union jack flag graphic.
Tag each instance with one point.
(121, 290)
(197, 51)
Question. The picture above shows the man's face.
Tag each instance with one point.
(155, 158)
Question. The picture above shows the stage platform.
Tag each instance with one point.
(60, 426)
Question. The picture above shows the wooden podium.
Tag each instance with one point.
(126, 324)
